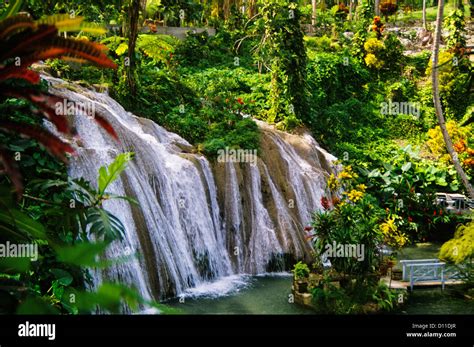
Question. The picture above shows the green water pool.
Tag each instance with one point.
(257, 295)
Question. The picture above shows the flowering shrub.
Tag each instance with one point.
(463, 144)
(377, 26)
(353, 219)
(374, 48)
(393, 236)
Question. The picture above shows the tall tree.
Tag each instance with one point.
(424, 15)
(132, 9)
(313, 14)
(437, 103)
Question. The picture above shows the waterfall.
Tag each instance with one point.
(198, 221)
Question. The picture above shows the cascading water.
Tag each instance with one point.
(198, 222)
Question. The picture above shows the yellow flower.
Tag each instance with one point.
(372, 61)
(393, 237)
(362, 187)
(355, 195)
(344, 175)
(388, 227)
(333, 183)
(347, 173)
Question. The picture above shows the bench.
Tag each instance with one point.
(420, 270)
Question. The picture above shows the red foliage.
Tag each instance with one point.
(23, 43)
(325, 203)
(378, 26)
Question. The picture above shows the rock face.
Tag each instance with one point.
(198, 221)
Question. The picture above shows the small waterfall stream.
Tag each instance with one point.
(198, 221)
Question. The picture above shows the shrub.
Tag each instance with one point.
(461, 247)
(300, 270)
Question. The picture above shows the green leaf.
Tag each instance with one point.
(454, 187)
(81, 254)
(12, 9)
(63, 277)
(110, 297)
(374, 173)
(406, 166)
(11, 265)
(34, 305)
(104, 224)
(388, 167)
(126, 198)
(441, 182)
(19, 221)
(109, 174)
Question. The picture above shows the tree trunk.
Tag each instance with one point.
(437, 103)
(133, 14)
(424, 15)
(251, 10)
(377, 7)
(313, 15)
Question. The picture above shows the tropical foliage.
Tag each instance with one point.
(330, 68)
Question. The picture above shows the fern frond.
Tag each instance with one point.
(24, 74)
(30, 41)
(62, 22)
(66, 23)
(12, 25)
(157, 47)
(60, 47)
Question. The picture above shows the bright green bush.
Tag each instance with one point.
(461, 247)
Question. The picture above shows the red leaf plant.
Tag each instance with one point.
(24, 41)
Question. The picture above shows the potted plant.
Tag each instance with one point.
(301, 274)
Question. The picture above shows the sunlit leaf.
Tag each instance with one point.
(110, 173)
(121, 49)
(406, 166)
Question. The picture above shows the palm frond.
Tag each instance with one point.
(27, 41)
(51, 143)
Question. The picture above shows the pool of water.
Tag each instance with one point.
(269, 294)
(241, 295)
